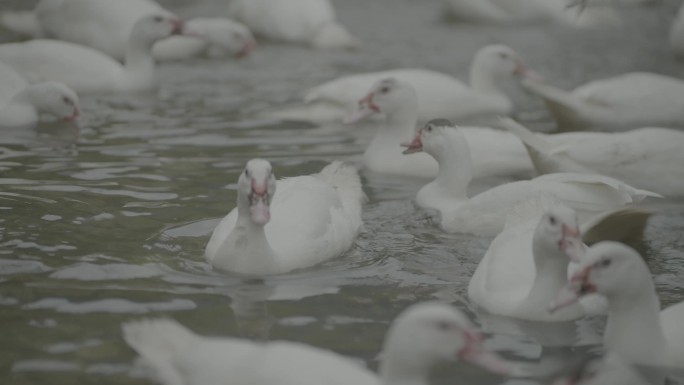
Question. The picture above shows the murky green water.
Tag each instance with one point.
(111, 226)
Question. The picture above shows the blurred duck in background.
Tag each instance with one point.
(309, 22)
(22, 104)
(85, 69)
(108, 25)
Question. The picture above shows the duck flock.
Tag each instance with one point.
(556, 252)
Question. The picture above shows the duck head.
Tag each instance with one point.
(387, 97)
(256, 187)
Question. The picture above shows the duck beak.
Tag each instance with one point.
(259, 201)
(247, 48)
(571, 243)
(475, 353)
(578, 287)
(74, 115)
(521, 70)
(178, 27)
(416, 145)
(367, 107)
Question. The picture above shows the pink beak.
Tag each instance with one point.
(367, 107)
(178, 26)
(522, 71)
(578, 287)
(571, 243)
(247, 48)
(259, 209)
(473, 352)
(416, 145)
(74, 115)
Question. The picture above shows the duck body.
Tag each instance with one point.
(412, 347)
(677, 34)
(182, 357)
(507, 281)
(315, 218)
(495, 152)
(12, 83)
(525, 11)
(589, 195)
(311, 22)
(646, 158)
(636, 329)
(21, 104)
(80, 67)
(624, 102)
(107, 27)
(529, 262)
(485, 213)
(437, 94)
(100, 24)
(85, 69)
(671, 319)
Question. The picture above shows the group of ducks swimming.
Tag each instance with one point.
(537, 267)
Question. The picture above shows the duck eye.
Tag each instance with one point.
(158, 19)
(603, 263)
(429, 128)
(503, 55)
(384, 90)
(442, 325)
(552, 220)
(246, 173)
(66, 100)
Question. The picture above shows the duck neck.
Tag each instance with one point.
(139, 63)
(403, 369)
(252, 253)
(20, 110)
(633, 329)
(551, 266)
(455, 167)
(398, 127)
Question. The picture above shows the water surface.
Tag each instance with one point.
(111, 225)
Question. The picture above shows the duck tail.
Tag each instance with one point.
(618, 225)
(545, 156)
(346, 179)
(565, 107)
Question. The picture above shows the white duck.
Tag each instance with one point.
(87, 70)
(495, 152)
(677, 34)
(315, 218)
(526, 265)
(438, 94)
(525, 11)
(632, 100)
(485, 213)
(21, 104)
(107, 26)
(207, 36)
(648, 158)
(311, 22)
(636, 329)
(421, 337)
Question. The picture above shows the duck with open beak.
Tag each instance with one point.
(415, 145)
(366, 107)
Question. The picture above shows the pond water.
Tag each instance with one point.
(111, 225)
